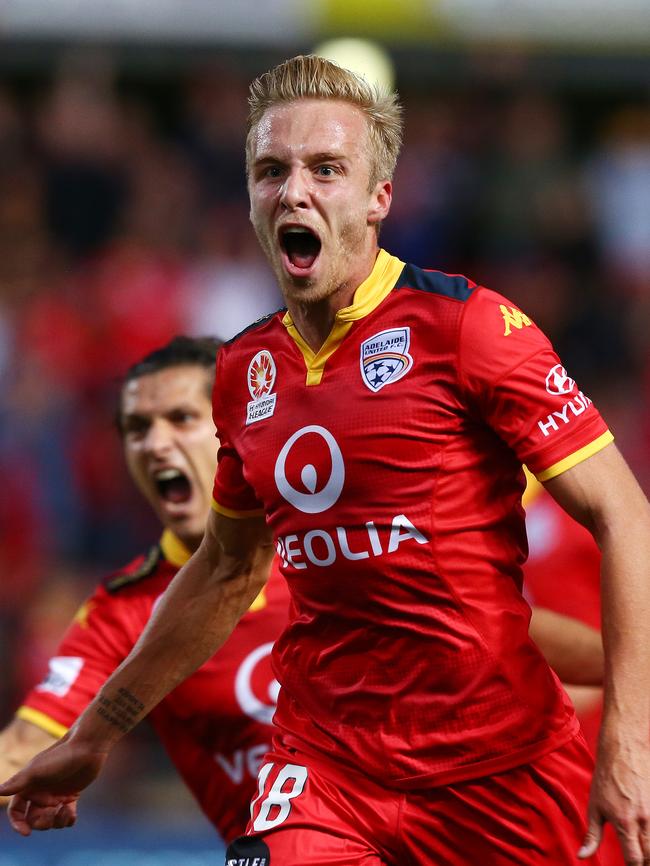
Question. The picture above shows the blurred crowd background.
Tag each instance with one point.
(124, 221)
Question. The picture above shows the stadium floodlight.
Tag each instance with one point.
(363, 56)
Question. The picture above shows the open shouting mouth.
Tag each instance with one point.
(300, 247)
(173, 486)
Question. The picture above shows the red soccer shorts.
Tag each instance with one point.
(314, 813)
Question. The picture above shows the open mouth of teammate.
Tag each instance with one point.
(173, 486)
(301, 247)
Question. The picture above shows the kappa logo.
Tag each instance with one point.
(558, 381)
(385, 358)
(513, 318)
(311, 499)
(260, 380)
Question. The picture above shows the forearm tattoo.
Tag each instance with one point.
(122, 711)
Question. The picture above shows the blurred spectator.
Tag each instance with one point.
(80, 132)
(229, 284)
(618, 181)
(212, 132)
(435, 186)
(531, 200)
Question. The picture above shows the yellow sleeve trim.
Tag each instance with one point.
(259, 602)
(533, 488)
(27, 714)
(577, 457)
(236, 515)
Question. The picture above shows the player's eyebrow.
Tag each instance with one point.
(314, 158)
(327, 156)
(134, 419)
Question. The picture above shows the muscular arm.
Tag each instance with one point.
(602, 494)
(573, 649)
(195, 617)
(19, 742)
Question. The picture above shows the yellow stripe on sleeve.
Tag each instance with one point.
(577, 457)
(236, 515)
(27, 714)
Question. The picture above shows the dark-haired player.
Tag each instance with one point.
(216, 726)
(375, 433)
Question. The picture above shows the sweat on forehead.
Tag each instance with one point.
(309, 128)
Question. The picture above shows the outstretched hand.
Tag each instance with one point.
(45, 792)
(620, 794)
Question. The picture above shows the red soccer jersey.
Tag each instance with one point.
(216, 725)
(389, 468)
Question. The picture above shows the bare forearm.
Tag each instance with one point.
(603, 495)
(626, 613)
(194, 618)
(573, 649)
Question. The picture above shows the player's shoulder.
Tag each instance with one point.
(261, 328)
(436, 284)
(492, 318)
(135, 573)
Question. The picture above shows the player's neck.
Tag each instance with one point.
(191, 542)
(315, 319)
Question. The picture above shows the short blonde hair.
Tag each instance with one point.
(308, 76)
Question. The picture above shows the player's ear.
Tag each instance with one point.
(380, 201)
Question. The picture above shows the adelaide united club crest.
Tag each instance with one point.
(385, 358)
(261, 380)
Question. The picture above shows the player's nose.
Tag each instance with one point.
(158, 438)
(295, 190)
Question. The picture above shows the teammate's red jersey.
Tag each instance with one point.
(389, 468)
(216, 725)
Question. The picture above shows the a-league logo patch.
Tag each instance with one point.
(260, 381)
(385, 358)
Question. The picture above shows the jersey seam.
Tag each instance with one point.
(405, 855)
(266, 319)
(459, 348)
(420, 292)
(459, 354)
(524, 433)
(493, 387)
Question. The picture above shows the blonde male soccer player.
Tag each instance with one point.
(375, 433)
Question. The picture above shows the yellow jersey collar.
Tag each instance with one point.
(367, 298)
(177, 554)
(174, 551)
(370, 293)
